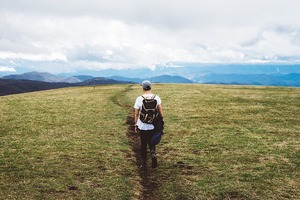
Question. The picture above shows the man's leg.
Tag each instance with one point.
(152, 151)
(144, 149)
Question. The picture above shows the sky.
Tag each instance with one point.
(71, 35)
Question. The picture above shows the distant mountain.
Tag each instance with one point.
(121, 78)
(170, 79)
(20, 86)
(157, 79)
(100, 81)
(86, 79)
(193, 70)
(48, 77)
(276, 79)
(265, 74)
(83, 77)
(36, 76)
(71, 80)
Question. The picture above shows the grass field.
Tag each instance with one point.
(65, 144)
(221, 142)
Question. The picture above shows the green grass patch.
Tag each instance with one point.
(225, 142)
(67, 143)
(221, 142)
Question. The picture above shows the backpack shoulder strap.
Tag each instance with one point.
(153, 97)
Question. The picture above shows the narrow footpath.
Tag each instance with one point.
(148, 184)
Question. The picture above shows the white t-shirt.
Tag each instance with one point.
(138, 105)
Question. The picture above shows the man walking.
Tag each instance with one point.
(148, 110)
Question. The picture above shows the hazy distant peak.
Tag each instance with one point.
(36, 76)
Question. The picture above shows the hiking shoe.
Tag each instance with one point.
(154, 160)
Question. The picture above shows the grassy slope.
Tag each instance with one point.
(229, 142)
(220, 142)
(65, 143)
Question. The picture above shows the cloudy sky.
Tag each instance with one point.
(71, 35)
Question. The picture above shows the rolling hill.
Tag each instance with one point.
(20, 86)
(13, 86)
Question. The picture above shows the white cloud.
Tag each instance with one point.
(33, 57)
(6, 69)
(116, 34)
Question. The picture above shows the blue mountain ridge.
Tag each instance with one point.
(48, 77)
(36, 81)
(240, 74)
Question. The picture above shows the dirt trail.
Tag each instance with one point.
(148, 184)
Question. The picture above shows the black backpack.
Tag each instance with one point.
(149, 110)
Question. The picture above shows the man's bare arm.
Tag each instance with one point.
(160, 110)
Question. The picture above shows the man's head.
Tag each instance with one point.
(146, 85)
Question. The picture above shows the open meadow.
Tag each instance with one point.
(220, 142)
